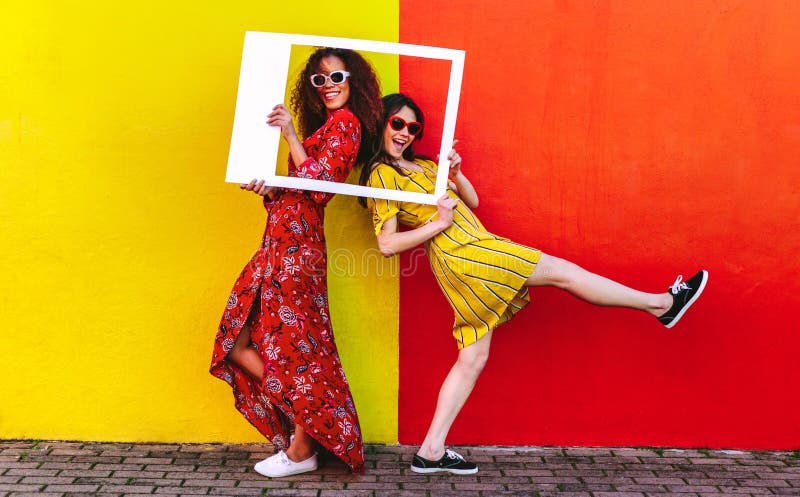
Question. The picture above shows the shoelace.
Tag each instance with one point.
(678, 285)
(284, 458)
(453, 454)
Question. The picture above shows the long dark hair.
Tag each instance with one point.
(364, 102)
(392, 104)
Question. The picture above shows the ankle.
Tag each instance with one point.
(300, 448)
(662, 304)
(299, 454)
(430, 453)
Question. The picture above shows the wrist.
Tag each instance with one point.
(442, 224)
(290, 135)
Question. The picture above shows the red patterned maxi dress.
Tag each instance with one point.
(282, 295)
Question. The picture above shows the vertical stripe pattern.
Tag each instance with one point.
(481, 274)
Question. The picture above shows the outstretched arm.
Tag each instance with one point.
(392, 242)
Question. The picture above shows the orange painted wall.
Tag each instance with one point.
(640, 139)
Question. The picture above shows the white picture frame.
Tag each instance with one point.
(262, 83)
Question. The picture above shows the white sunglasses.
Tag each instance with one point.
(336, 77)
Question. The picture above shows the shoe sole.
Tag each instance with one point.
(444, 470)
(288, 473)
(691, 301)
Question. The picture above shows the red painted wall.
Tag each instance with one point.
(640, 139)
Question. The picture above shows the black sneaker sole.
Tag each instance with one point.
(691, 301)
(444, 470)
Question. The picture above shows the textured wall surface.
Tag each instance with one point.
(640, 140)
(120, 240)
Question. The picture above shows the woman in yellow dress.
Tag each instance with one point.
(484, 277)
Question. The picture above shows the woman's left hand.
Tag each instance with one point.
(280, 116)
(458, 182)
(455, 162)
(258, 186)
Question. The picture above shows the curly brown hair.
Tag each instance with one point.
(364, 102)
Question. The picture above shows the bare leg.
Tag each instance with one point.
(302, 446)
(595, 289)
(454, 392)
(246, 357)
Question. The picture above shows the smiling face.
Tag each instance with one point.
(332, 95)
(396, 142)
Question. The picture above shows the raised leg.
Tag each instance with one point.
(595, 289)
(246, 357)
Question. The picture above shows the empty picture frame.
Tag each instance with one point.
(262, 84)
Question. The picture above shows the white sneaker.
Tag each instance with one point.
(280, 465)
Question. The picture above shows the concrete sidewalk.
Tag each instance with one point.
(61, 469)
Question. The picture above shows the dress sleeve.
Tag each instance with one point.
(382, 210)
(339, 140)
(270, 201)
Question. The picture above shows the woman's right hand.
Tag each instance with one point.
(281, 117)
(445, 207)
(258, 186)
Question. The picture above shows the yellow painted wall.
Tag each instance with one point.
(119, 241)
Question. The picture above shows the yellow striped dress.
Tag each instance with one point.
(482, 275)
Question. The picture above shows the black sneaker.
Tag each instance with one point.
(684, 293)
(451, 462)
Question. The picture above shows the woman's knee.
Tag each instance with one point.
(240, 345)
(235, 353)
(554, 271)
(473, 360)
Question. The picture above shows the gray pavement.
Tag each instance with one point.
(60, 469)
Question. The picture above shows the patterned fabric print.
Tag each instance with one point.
(481, 274)
(282, 295)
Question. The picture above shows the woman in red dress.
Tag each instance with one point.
(275, 345)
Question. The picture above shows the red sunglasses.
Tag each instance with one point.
(398, 123)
